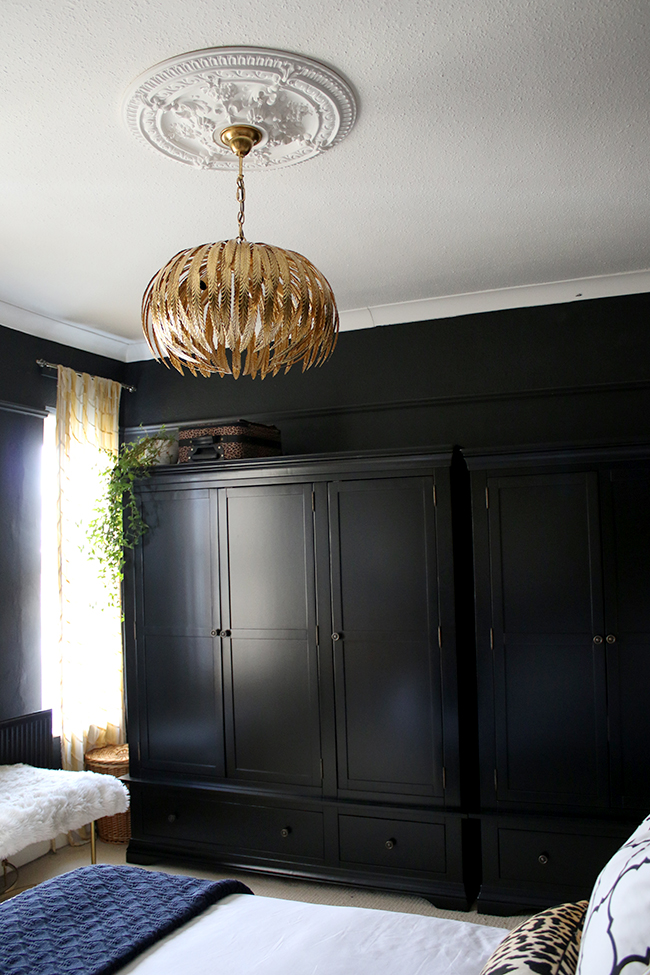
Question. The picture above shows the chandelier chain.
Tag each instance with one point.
(241, 199)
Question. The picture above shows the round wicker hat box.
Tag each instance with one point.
(111, 760)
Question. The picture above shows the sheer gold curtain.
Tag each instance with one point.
(90, 638)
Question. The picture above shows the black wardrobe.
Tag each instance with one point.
(324, 681)
(292, 671)
(562, 575)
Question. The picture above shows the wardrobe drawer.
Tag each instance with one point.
(398, 843)
(530, 856)
(232, 825)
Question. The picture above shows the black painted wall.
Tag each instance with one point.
(24, 394)
(23, 382)
(21, 437)
(559, 373)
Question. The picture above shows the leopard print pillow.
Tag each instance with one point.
(545, 944)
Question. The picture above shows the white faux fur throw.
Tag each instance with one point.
(39, 803)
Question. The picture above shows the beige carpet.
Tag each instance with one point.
(69, 858)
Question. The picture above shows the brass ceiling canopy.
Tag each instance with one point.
(236, 307)
(241, 138)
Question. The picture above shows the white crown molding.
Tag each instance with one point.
(477, 302)
(75, 334)
(137, 351)
(90, 339)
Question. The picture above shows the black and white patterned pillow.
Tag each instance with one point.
(616, 937)
(545, 944)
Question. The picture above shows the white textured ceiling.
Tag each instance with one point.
(500, 144)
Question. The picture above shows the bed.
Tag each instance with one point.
(280, 937)
(107, 919)
(102, 919)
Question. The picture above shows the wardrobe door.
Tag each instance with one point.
(385, 620)
(179, 667)
(269, 634)
(548, 650)
(627, 578)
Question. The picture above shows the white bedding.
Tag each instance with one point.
(252, 935)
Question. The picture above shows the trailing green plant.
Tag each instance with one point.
(119, 525)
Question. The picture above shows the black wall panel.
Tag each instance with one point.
(24, 393)
(558, 373)
(23, 382)
(572, 372)
(21, 437)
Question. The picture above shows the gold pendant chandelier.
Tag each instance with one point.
(235, 307)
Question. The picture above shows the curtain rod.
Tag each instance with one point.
(52, 365)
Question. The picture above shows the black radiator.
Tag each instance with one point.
(27, 739)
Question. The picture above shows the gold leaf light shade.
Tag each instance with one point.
(235, 307)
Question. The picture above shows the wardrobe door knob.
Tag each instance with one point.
(610, 638)
(285, 831)
(225, 633)
(336, 636)
(543, 859)
(390, 844)
(215, 632)
(598, 639)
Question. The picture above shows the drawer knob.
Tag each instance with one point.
(172, 818)
(543, 859)
(389, 844)
(285, 831)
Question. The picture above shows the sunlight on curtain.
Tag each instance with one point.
(90, 638)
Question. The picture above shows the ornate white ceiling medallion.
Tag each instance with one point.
(181, 106)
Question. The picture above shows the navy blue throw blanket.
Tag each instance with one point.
(96, 919)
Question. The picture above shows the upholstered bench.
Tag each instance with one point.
(39, 803)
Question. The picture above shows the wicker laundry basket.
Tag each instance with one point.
(111, 760)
